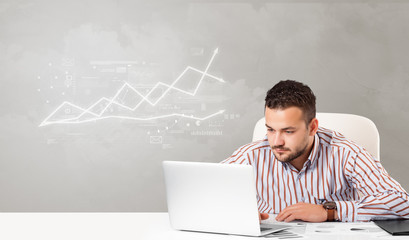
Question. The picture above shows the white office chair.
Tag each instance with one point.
(359, 129)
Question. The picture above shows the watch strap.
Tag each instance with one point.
(331, 208)
(330, 215)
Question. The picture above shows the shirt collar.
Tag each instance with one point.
(315, 149)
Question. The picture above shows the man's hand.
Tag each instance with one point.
(263, 216)
(303, 211)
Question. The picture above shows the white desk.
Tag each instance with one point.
(147, 226)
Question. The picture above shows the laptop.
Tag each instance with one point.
(214, 197)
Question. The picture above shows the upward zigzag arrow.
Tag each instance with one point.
(145, 98)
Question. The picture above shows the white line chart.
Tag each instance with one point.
(90, 115)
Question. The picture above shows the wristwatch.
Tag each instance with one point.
(331, 207)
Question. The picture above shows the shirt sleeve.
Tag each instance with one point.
(240, 156)
(381, 196)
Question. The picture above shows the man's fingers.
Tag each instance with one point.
(303, 211)
(290, 218)
(264, 216)
(287, 209)
(283, 215)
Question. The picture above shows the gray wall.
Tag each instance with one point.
(353, 54)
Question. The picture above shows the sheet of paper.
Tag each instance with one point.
(355, 230)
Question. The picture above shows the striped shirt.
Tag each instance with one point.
(336, 170)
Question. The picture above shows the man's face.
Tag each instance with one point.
(287, 133)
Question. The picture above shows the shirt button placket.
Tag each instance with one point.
(298, 184)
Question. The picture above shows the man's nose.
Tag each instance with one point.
(278, 140)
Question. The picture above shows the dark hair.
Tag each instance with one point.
(290, 93)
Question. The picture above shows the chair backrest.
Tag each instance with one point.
(360, 130)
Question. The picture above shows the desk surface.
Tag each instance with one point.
(150, 226)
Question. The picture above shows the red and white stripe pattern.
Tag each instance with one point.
(336, 170)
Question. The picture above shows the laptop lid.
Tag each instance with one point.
(213, 197)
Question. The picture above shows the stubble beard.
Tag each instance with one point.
(290, 157)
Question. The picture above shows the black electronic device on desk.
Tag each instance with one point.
(396, 227)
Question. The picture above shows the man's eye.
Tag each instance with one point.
(270, 130)
(289, 132)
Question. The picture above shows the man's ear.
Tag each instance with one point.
(313, 126)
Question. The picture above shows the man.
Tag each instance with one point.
(314, 174)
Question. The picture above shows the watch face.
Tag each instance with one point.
(330, 205)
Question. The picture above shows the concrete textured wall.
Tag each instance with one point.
(353, 54)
